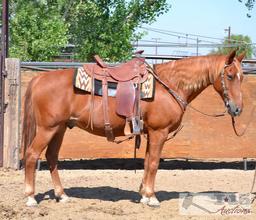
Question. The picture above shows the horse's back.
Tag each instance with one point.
(52, 94)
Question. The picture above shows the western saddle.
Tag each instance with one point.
(128, 77)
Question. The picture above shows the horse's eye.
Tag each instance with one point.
(230, 77)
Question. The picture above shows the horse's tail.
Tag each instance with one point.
(29, 121)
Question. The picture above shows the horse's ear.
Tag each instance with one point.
(241, 56)
(230, 57)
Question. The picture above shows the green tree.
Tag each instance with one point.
(108, 27)
(37, 31)
(240, 42)
(40, 28)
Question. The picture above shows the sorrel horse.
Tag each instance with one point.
(51, 103)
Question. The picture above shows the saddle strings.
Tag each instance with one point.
(90, 120)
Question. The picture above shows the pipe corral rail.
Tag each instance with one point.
(249, 65)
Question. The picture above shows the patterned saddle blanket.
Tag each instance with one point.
(84, 81)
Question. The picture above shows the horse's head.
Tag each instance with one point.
(228, 83)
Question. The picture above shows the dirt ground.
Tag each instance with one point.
(108, 189)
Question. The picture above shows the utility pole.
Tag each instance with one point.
(229, 33)
(156, 39)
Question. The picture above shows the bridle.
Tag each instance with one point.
(227, 104)
(224, 87)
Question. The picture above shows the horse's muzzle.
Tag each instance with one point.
(233, 109)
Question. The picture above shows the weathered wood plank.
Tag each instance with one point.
(12, 115)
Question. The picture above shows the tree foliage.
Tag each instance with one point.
(107, 27)
(249, 4)
(37, 31)
(244, 44)
(39, 28)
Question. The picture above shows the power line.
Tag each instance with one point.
(188, 45)
(182, 33)
(175, 33)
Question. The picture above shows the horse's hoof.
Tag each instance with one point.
(150, 201)
(153, 202)
(31, 202)
(63, 198)
(144, 200)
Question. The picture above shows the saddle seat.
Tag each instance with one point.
(125, 71)
(128, 77)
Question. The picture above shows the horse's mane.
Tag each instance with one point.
(191, 73)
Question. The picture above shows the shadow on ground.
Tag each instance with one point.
(107, 193)
(131, 164)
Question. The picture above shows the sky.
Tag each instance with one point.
(201, 17)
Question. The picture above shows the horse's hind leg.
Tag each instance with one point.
(41, 140)
(52, 159)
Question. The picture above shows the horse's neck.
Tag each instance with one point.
(190, 95)
(190, 77)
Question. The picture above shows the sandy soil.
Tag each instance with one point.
(111, 193)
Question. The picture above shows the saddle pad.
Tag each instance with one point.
(83, 81)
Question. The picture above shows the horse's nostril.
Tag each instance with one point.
(238, 111)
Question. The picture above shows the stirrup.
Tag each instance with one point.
(133, 125)
(136, 125)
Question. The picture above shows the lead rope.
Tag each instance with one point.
(245, 129)
(253, 183)
(209, 115)
(239, 135)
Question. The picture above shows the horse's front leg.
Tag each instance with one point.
(154, 148)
